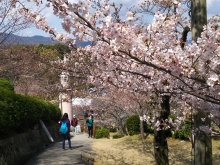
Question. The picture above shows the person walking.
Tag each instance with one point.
(74, 123)
(65, 130)
(89, 122)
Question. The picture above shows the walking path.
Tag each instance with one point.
(54, 155)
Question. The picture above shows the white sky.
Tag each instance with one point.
(213, 8)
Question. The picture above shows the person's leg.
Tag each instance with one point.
(63, 141)
(89, 130)
(75, 131)
(68, 138)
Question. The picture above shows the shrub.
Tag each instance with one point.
(183, 133)
(148, 128)
(102, 133)
(117, 136)
(18, 110)
(97, 127)
(5, 84)
(112, 129)
(133, 125)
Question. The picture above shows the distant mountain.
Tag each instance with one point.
(34, 40)
(83, 44)
(13, 39)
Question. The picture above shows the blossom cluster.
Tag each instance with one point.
(140, 57)
(163, 124)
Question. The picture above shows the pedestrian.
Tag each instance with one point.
(89, 122)
(65, 130)
(74, 123)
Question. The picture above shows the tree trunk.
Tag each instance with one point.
(122, 127)
(160, 142)
(203, 143)
(142, 129)
(198, 17)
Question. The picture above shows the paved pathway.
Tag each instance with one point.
(54, 155)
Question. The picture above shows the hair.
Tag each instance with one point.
(65, 116)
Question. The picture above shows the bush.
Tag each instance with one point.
(133, 125)
(102, 133)
(148, 128)
(18, 110)
(97, 127)
(110, 128)
(183, 133)
(117, 136)
(5, 84)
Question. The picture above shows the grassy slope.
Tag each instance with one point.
(131, 150)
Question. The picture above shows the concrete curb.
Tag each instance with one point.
(89, 156)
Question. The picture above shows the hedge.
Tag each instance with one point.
(5, 84)
(18, 110)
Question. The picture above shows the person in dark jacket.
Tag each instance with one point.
(74, 123)
(89, 122)
(67, 135)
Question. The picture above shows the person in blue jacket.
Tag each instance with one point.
(67, 135)
(89, 122)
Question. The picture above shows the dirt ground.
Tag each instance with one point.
(130, 150)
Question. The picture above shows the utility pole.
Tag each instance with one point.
(203, 142)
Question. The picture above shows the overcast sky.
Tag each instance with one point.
(213, 8)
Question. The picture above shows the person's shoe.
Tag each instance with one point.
(63, 149)
(70, 148)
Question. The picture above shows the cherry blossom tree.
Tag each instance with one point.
(164, 58)
(118, 105)
(10, 22)
(139, 57)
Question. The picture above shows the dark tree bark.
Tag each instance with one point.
(203, 143)
(122, 127)
(160, 142)
(142, 129)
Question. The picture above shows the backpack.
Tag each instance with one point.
(63, 128)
